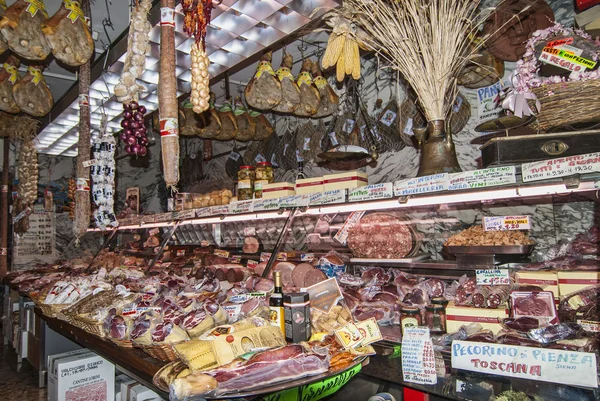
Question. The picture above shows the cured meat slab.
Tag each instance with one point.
(21, 26)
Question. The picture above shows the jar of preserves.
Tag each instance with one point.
(439, 301)
(264, 175)
(411, 317)
(246, 179)
(435, 318)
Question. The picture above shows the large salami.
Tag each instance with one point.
(380, 236)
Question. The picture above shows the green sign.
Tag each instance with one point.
(315, 391)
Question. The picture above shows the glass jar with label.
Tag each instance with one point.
(264, 175)
(246, 178)
(411, 317)
(435, 318)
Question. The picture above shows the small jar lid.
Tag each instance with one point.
(264, 164)
(410, 310)
(246, 167)
(439, 301)
(434, 308)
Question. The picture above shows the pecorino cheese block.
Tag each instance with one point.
(278, 190)
(346, 180)
(309, 185)
(546, 280)
(457, 316)
(571, 281)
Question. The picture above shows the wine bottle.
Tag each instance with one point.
(276, 304)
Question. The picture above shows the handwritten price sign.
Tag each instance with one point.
(492, 277)
(506, 223)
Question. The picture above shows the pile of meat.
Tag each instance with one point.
(381, 236)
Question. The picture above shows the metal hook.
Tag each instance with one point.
(302, 48)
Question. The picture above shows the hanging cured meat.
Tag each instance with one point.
(68, 35)
(329, 101)
(213, 122)
(3, 45)
(21, 26)
(264, 129)
(167, 95)
(290, 93)
(263, 92)
(31, 93)
(246, 127)
(228, 123)
(309, 95)
(9, 76)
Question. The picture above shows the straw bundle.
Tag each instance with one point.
(429, 42)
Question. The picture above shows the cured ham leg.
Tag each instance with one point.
(21, 26)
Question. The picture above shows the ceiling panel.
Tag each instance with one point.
(239, 29)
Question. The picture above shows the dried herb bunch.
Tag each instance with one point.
(428, 41)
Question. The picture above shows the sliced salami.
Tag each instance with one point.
(299, 274)
(313, 277)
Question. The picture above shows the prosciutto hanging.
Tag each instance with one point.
(9, 76)
(31, 93)
(21, 26)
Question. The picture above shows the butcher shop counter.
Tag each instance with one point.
(131, 361)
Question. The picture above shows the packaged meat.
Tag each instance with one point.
(550, 334)
(381, 236)
(168, 333)
(197, 322)
(332, 264)
(534, 304)
(479, 297)
(498, 296)
(522, 324)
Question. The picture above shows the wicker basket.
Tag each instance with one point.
(163, 352)
(91, 326)
(567, 103)
(122, 343)
(53, 309)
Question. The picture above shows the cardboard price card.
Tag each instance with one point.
(371, 192)
(421, 185)
(418, 358)
(488, 177)
(342, 235)
(561, 167)
(493, 277)
(548, 365)
(506, 223)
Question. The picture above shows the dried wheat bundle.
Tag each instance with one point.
(428, 41)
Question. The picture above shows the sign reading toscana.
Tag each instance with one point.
(549, 365)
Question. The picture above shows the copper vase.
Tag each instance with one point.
(438, 154)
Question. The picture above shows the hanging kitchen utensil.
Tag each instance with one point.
(288, 146)
(290, 93)
(228, 123)
(233, 163)
(246, 127)
(303, 141)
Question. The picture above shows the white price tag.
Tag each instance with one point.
(218, 210)
(342, 235)
(371, 192)
(266, 204)
(295, 200)
(333, 139)
(506, 223)
(333, 196)
(561, 167)
(488, 177)
(234, 156)
(246, 206)
(418, 358)
(493, 277)
(203, 212)
(89, 163)
(421, 185)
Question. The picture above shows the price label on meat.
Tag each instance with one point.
(548, 365)
(561, 167)
(418, 359)
(241, 207)
(371, 192)
(489, 177)
(420, 185)
(167, 17)
(221, 253)
(493, 277)
(169, 127)
(506, 223)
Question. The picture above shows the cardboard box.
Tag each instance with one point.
(126, 387)
(546, 280)
(120, 378)
(143, 393)
(346, 180)
(457, 316)
(84, 376)
(571, 281)
(278, 190)
(309, 185)
(51, 365)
